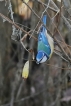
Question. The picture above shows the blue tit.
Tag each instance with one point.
(45, 44)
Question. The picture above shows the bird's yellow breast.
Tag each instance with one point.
(51, 43)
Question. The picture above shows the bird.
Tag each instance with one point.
(45, 44)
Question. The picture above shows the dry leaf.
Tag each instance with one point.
(25, 71)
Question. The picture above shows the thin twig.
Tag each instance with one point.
(41, 17)
(61, 56)
(10, 21)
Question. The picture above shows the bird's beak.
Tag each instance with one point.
(37, 62)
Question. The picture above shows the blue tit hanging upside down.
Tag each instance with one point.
(45, 44)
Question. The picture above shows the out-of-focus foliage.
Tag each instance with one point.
(26, 1)
(21, 9)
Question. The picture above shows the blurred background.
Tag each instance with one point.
(48, 84)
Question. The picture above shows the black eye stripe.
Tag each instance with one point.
(41, 59)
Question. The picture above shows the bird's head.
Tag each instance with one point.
(41, 57)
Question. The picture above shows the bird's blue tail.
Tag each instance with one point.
(44, 22)
(44, 19)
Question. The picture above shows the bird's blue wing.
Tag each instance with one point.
(43, 38)
(44, 48)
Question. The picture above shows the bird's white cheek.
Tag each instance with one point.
(44, 59)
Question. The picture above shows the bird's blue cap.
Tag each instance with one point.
(39, 57)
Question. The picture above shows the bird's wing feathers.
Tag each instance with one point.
(44, 48)
(45, 43)
(43, 38)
